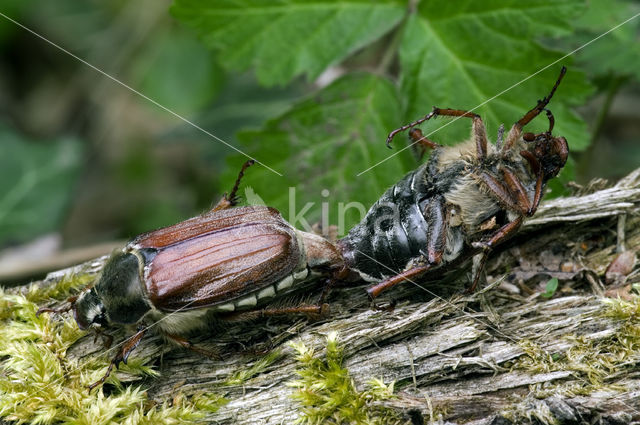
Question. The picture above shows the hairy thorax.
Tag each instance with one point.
(470, 204)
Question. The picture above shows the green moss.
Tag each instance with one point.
(619, 309)
(593, 362)
(40, 384)
(243, 375)
(208, 402)
(61, 289)
(531, 410)
(328, 394)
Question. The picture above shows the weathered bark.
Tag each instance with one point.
(460, 358)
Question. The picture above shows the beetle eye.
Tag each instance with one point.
(101, 320)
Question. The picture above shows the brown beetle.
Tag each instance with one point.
(226, 262)
(464, 201)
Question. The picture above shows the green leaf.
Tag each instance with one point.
(461, 54)
(551, 288)
(286, 38)
(342, 128)
(617, 52)
(179, 72)
(35, 184)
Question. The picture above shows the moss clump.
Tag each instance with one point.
(328, 394)
(243, 375)
(594, 363)
(59, 290)
(619, 309)
(39, 384)
(593, 360)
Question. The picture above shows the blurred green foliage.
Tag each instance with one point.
(618, 52)
(37, 183)
(459, 56)
(243, 66)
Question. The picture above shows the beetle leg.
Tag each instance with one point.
(308, 310)
(71, 300)
(551, 120)
(479, 269)
(436, 240)
(408, 275)
(478, 131)
(500, 235)
(63, 309)
(328, 285)
(418, 138)
(410, 125)
(516, 130)
(106, 338)
(502, 193)
(535, 166)
(127, 348)
(435, 213)
(231, 199)
(514, 195)
(185, 343)
(517, 190)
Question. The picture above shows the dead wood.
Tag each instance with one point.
(504, 353)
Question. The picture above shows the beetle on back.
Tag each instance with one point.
(464, 201)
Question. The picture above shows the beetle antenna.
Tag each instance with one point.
(71, 302)
(541, 103)
(233, 194)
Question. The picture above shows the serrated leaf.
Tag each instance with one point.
(35, 184)
(459, 55)
(286, 38)
(343, 128)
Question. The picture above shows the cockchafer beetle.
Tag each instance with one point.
(464, 201)
(228, 262)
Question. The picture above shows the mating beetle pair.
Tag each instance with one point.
(232, 261)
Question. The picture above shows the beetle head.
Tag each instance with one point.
(118, 298)
(551, 152)
(88, 309)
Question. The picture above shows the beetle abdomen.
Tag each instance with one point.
(393, 231)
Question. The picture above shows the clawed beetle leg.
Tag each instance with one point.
(185, 343)
(126, 349)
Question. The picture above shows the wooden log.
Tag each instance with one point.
(504, 354)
